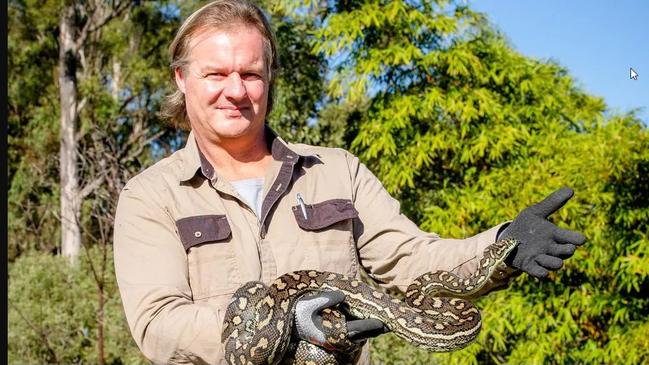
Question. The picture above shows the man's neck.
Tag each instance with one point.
(237, 159)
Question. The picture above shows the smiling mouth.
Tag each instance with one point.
(233, 108)
(233, 112)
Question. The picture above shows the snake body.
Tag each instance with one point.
(259, 319)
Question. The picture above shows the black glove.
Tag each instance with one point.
(543, 246)
(308, 320)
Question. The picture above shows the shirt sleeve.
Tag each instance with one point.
(394, 251)
(152, 275)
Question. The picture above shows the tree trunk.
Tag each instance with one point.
(70, 202)
(115, 86)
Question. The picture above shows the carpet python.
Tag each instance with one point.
(259, 318)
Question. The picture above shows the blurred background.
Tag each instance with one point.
(467, 111)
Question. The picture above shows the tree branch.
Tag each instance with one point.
(81, 105)
(83, 193)
(125, 103)
(141, 146)
(92, 26)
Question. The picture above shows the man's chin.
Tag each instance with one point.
(233, 128)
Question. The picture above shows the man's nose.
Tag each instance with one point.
(234, 87)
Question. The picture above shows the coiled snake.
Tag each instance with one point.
(258, 322)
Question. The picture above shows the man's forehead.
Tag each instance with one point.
(210, 45)
(223, 34)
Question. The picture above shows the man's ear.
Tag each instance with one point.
(180, 79)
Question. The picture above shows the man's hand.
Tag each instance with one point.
(543, 246)
(309, 321)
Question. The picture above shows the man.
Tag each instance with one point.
(238, 204)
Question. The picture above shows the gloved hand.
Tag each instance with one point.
(309, 320)
(543, 246)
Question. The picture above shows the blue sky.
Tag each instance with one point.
(597, 41)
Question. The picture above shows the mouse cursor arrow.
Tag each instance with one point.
(632, 74)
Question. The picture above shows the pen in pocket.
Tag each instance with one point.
(300, 202)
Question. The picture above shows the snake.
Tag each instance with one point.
(434, 313)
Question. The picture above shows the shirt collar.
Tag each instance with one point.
(191, 158)
(195, 162)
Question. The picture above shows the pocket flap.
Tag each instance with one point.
(324, 214)
(203, 228)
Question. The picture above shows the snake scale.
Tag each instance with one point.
(258, 321)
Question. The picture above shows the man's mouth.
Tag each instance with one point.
(232, 107)
(232, 111)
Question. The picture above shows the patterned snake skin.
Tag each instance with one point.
(258, 322)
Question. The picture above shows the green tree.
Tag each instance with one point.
(466, 132)
(300, 85)
(120, 74)
(32, 128)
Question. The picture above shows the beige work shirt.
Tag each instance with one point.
(185, 241)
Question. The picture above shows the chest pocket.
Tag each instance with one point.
(210, 255)
(327, 235)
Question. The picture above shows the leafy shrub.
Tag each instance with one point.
(54, 312)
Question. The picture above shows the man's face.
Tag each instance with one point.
(225, 83)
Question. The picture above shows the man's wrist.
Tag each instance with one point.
(501, 231)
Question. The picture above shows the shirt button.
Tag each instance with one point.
(197, 234)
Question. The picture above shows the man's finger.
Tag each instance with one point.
(561, 250)
(567, 236)
(365, 328)
(552, 202)
(536, 270)
(549, 262)
(334, 297)
(317, 302)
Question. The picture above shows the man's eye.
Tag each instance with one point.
(215, 75)
(251, 76)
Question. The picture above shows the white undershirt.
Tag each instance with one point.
(250, 192)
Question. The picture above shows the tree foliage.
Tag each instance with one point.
(121, 81)
(466, 132)
(461, 128)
